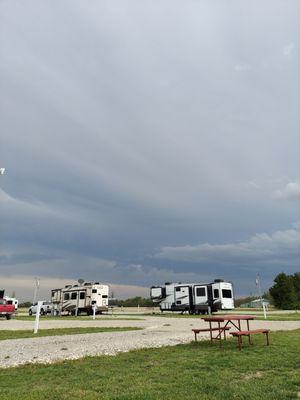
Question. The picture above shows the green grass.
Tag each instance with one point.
(257, 315)
(79, 318)
(281, 317)
(190, 372)
(10, 334)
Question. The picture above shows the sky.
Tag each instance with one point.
(147, 142)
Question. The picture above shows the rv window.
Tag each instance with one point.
(94, 291)
(82, 295)
(226, 293)
(216, 293)
(66, 296)
(200, 292)
(177, 289)
(74, 296)
(178, 302)
(104, 296)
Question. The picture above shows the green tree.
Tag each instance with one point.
(283, 292)
(296, 280)
(134, 302)
(25, 304)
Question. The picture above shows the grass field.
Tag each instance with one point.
(270, 317)
(281, 317)
(10, 334)
(194, 371)
(80, 317)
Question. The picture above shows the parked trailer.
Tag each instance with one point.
(195, 298)
(77, 299)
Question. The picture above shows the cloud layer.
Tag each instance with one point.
(280, 247)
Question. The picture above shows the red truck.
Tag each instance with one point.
(6, 310)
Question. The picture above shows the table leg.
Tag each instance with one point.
(267, 336)
(240, 342)
(249, 337)
(211, 338)
(195, 336)
(220, 333)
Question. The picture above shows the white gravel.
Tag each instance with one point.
(157, 332)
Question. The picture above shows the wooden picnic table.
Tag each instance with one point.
(234, 320)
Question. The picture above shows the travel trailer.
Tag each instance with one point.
(196, 298)
(80, 298)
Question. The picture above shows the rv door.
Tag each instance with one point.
(81, 300)
(182, 296)
(200, 295)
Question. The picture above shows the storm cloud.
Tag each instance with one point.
(147, 142)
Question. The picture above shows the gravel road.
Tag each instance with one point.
(157, 332)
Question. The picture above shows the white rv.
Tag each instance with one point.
(196, 298)
(75, 299)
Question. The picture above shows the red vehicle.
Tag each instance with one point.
(6, 310)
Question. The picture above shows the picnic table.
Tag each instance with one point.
(233, 320)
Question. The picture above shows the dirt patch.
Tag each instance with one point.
(255, 375)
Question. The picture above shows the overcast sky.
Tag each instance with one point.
(149, 141)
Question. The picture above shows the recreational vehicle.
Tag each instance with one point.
(196, 298)
(75, 299)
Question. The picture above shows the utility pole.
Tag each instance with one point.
(36, 289)
(257, 281)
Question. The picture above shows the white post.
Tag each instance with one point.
(94, 311)
(37, 317)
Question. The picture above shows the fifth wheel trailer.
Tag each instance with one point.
(196, 298)
(75, 299)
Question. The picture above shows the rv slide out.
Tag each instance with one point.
(195, 298)
(77, 299)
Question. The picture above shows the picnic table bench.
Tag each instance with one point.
(240, 334)
(196, 331)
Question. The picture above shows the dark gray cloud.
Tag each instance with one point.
(129, 128)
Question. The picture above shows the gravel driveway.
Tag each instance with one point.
(157, 332)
